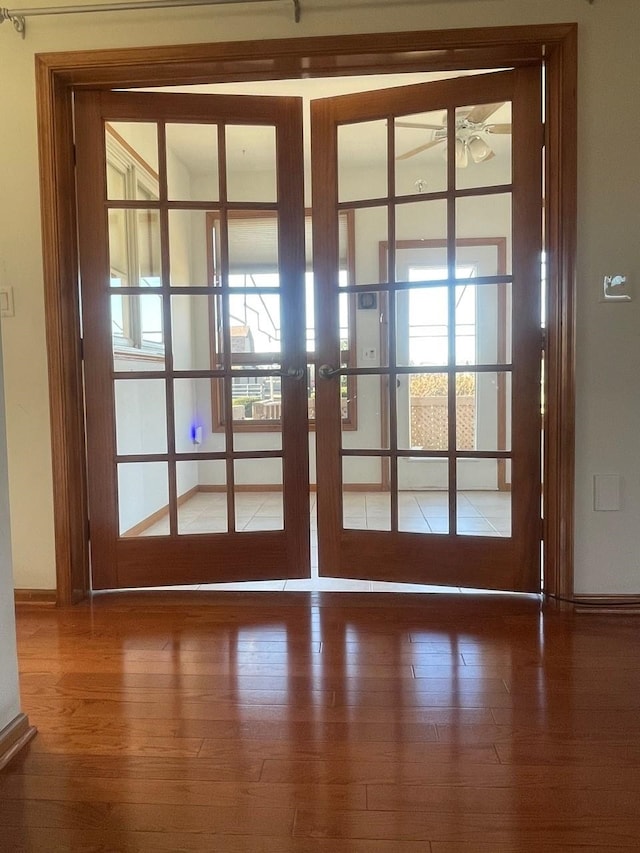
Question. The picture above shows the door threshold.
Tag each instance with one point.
(322, 584)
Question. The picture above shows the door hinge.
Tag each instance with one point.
(543, 339)
(81, 347)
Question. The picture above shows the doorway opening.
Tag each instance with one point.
(361, 305)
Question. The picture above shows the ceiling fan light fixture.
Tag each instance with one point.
(462, 154)
(478, 149)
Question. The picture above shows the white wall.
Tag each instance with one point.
(608, 344)
(9, 694)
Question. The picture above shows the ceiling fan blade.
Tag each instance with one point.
(481, 113)
(420, 126)
(497, 128)
(419, 149)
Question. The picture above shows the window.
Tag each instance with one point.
(254, 319)
(134, 252)
(428, 342)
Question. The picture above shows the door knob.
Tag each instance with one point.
(294, 373)
(325, 371)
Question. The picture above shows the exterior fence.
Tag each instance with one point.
(430, 422)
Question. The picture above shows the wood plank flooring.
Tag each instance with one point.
(325, 723)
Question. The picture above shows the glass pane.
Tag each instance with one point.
(192, 162)
(197, 405)
(364, 505)
(191, 248)
(148, 266)
(258, 438)
(482, 474)
(428, 478)
(253, 250)
(468, 385)
(423, 411)
(143, 497)
(483, 324)
(255, 323)
(476, 257)
(218, 341)
(212, 476)
(422, 325)
(132, 160)
(137, 332)
(411, 518)
(366, 392)
(119, 222)
(482, 403)
(362, 160)
(483, 145)
(310, 322)
(201, 509)
(345, 320)
(420, 220)
(371, 328)
(151, 331)
(134, 248)
(191, 323)
(466, 319)
(116, 180)
(257, 405)
(251, 163)
(372, 231)
(259, 494)
(421, 153)
(483, 512)
(477, 216)
(141, 416)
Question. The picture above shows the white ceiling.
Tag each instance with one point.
(252, 155)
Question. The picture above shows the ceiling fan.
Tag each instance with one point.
(472, 127)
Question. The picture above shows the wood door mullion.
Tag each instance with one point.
(326, 256)
(526, 337)
(451, 322)
(295, 416)
(227, 381)
(393, 323)
(165, 266)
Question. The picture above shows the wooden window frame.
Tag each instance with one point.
(58, 75)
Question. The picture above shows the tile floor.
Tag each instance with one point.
(481, 513)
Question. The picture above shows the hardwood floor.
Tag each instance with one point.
(325, 723)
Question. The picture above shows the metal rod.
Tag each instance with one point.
(18, 16)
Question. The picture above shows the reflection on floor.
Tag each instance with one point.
(480, 513)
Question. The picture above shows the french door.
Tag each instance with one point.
(193, 303)
(459, 332)
(173, 345)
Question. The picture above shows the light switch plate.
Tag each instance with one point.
(6, 302)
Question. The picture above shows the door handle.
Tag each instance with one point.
(325, 371)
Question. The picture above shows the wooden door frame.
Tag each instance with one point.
(58, 75)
